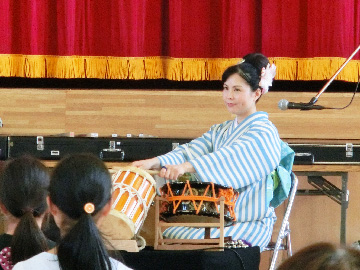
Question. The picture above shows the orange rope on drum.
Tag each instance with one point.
(230, 199)
(229, 195)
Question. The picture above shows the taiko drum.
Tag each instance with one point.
(133, 192)
(194, 202)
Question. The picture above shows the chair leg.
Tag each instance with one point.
(283, 241)
(284, 244)
(288, 244)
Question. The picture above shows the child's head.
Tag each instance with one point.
(80, 194)
(78, 180)
(323, 255)
(23, 187)
(24, 184)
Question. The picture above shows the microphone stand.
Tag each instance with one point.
(314, 99)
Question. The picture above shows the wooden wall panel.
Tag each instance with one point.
(32, 111)
(323, 124)
(183, 114)
(159, 113)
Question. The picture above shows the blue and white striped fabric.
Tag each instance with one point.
(242, 157)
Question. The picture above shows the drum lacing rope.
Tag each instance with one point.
(132, 193)
(230, 198)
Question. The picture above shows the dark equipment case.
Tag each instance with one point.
(3, 148)
(326, 153)
(107, 148)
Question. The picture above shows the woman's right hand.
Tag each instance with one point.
(147, 164)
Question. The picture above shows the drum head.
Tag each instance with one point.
(117, 226)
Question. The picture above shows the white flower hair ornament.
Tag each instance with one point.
(267, 76)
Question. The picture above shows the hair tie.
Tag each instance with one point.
(26, 210)
(89, 208)
(241, 61)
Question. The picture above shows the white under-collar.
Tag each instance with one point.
(235, 123)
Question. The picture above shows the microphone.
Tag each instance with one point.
(284, 105)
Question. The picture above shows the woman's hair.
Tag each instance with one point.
(258, 60)
(246, 71)
(23, 189)
(78, 180)
(323, 256)
(249, 69)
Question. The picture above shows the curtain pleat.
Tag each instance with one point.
(181, 40)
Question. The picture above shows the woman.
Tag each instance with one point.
(241, 153)
(23, 190)
(79, 199)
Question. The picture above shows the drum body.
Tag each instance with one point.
(133, 192)
(197, 202)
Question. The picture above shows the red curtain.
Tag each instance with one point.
(80, 27)
(321, 28)
(176, 39)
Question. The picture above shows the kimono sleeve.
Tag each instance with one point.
(250, 158)
(194, 149)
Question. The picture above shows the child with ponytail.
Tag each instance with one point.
(79, 199)
(24, 186)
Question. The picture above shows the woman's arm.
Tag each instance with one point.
(250, 158)
(147, 164)
(176, 161)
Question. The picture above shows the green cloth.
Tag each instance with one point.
(279, 181)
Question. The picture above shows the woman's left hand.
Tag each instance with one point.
(173, 172)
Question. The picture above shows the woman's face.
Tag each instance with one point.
(239, 98)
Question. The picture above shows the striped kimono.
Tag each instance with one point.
(240, 156)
